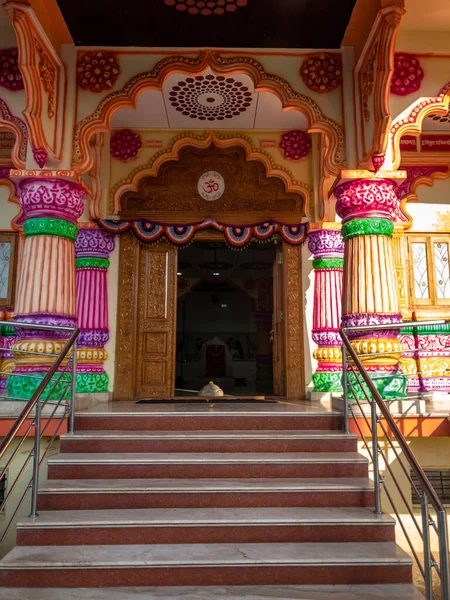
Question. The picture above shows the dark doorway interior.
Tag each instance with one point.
(224, 318)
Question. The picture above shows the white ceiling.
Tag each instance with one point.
(432, 15)
(208, 102)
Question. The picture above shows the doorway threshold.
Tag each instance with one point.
(209, 400)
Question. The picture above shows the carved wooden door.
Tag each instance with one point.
(156, 321)
(277, 326)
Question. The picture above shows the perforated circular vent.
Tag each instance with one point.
(206, 7)
(210, 97)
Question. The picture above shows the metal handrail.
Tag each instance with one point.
(38, 393)
(429, 494)
(67, 353)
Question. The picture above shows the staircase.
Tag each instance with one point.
(273, 499)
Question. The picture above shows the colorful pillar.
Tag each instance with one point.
(93, 248)
(368, 208)
(327, 247)
(8, 337)
(46, 287)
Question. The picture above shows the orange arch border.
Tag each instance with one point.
(222, 140)
(127, 97)
(14, 125)
(427, 180)
(409, 122)
(15, 200)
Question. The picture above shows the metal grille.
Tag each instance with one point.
(440, 480)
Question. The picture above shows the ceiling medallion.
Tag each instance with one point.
(211, 186)
(206, 7)
(210, 98)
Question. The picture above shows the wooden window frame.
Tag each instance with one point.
(429, 239)
(12, 238)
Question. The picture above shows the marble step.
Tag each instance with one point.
(205, 564)
(202, 418)
(214, 465)
(209, 441)
(269, 592)
(92, 494)
(205, 525)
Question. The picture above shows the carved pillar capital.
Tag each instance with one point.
(52, 198)
(326, 242)
(367, 198)
(94, 243)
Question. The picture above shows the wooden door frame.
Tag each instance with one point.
(125, 377)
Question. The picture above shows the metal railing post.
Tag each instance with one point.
(345, 386)
(426, 548)
(74, 387)
(443, 554)
(376, 469)
(36, 457)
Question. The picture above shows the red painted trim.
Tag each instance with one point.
(6, 424)
(411, 427)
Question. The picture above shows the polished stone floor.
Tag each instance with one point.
(339, 592)
(205, 408)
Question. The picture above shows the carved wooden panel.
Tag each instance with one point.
(172, 196)
(293, 322)
(124, 381)
(278, 350)
(156, 321)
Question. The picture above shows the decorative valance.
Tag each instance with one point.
(235, 235)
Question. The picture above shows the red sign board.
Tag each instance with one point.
(267, 143)
(435, 142)
(153, 144)
(408, 143)
(7, 140)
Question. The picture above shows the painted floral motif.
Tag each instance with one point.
(206, 7)
(322, 72)
(295, 144)
(367, 81)
(97, 71)
(408, 74)
(47, 73)
(125, 145)
(10, 75)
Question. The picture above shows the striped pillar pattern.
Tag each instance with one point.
(46, 286)
(93, 247)
(368, 208)
(327, 247)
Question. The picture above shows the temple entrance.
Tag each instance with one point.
(254, 344)
(242, 328)
(225, 319)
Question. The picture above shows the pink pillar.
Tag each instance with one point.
(327, 247)
(93, 248)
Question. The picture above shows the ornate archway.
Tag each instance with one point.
(100, 119)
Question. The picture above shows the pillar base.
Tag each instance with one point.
(390, 385)
(23, 386)
(92, 383)
(327, 381)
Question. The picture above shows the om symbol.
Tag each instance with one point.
(211, 186)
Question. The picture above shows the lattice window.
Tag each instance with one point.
(429, 257)
(439, 479)
(8, 256)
